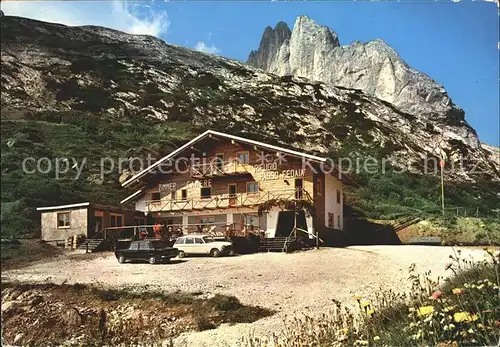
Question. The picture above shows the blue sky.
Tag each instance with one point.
(455, 43)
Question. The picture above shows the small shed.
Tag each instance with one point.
(59, 223)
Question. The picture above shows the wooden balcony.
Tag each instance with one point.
(225, 201)
(214, 168)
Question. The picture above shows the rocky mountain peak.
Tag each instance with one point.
(313, 51)
(271, 41)
(309, 30)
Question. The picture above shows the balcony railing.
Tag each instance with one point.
(226, 201)
(220, 168)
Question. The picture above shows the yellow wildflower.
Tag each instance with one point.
(376, 338)
(464, 317)
(457, 291)
(370, 312)
(361, 342)
(358, 298)
(345, 330)
(480, 326)
(364, 303)
(490, 250)
(425, 310)
(448, 308)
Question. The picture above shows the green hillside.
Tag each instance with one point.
(84, 135)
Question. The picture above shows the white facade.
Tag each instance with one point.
(334, 203)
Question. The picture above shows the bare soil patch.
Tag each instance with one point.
(19, 253)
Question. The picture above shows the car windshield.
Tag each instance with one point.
(159, 244)
(208, 239)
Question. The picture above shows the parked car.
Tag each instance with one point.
(153, 251)
(202, 244)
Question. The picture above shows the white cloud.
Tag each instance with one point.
(134, 18)
(203, 47)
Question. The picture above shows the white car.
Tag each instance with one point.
(202, 244)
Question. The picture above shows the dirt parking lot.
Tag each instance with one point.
(291, 284)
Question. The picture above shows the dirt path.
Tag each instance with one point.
(289, 283)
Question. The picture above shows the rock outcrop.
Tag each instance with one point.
(50, 71)
(313, 51)
(270, 45)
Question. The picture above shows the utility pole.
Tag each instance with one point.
(441, 165)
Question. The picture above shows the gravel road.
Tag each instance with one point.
(291, 284)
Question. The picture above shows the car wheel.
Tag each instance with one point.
(121, 259)
(181, 254)
(215, 252)
(152, 260)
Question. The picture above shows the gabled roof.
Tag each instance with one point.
(128, 198)
(222, 135)
(81, 205)
(60, 207)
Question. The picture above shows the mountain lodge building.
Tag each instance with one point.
(220, 183)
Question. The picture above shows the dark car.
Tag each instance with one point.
(153, 251)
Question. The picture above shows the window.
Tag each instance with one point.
(231, 189)
(252, 187)
(338, 222)
(173, 195)
(251, 221)
(243, 157)
(198, 240)
(208, 239)
(116, 220)
(319, 186)
(144, 245)
(338, 196)
(298, 188)
(219, 160)
(189, 241)
(134, 246)
(184, 194)
(180, 241)
(155, 196)
(207, 220)
(63, 220)
(206, 192)
(330, 220)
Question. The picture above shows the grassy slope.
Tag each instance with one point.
(79, 135)
(76, 136)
